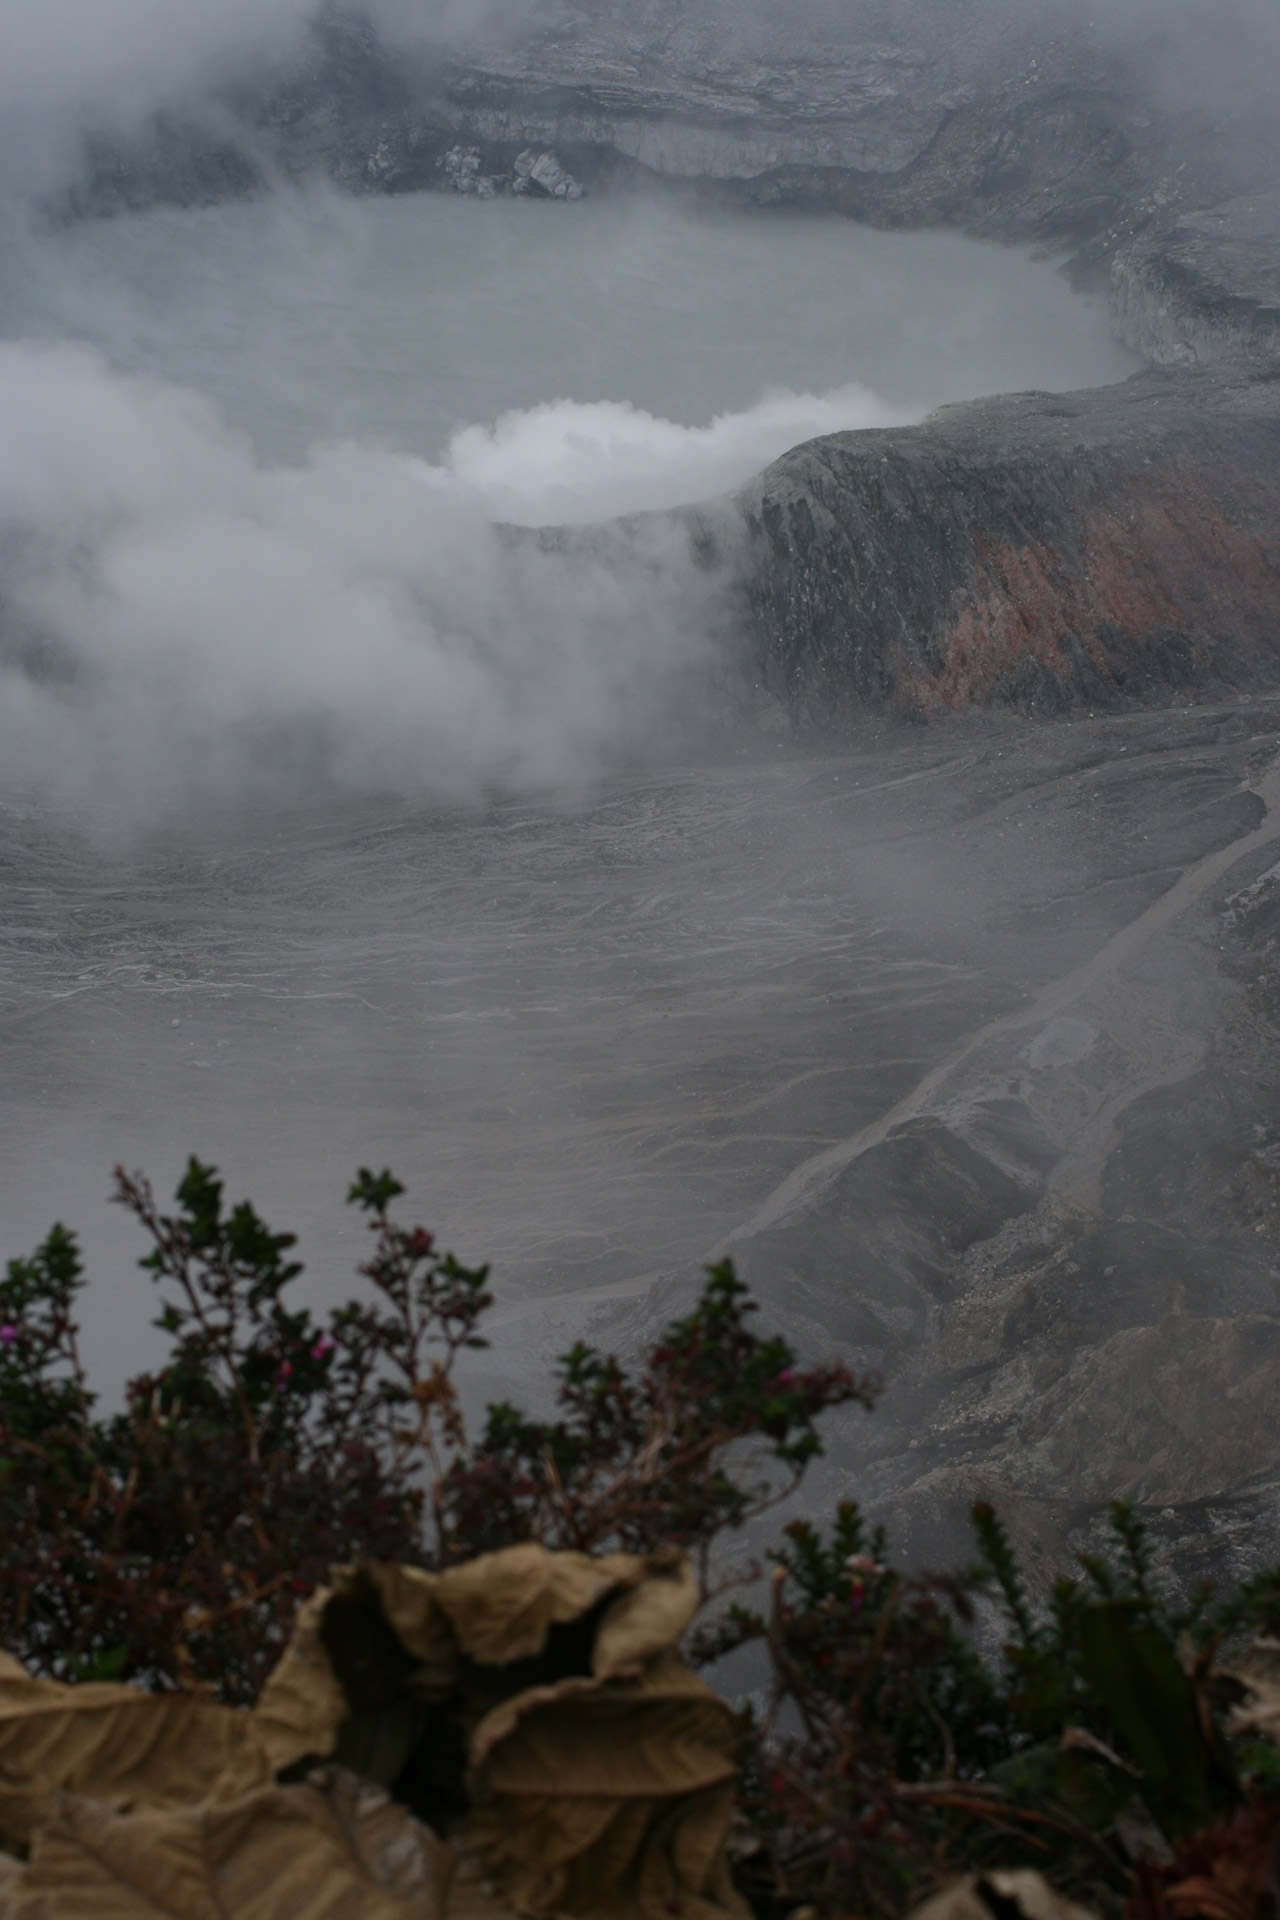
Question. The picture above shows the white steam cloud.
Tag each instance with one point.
(568, 461)
(74, 66)
(180, 618)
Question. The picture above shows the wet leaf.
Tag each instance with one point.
(1154, 1707)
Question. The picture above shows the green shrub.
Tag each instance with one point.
(168, 1543)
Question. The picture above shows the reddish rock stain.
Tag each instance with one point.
(1169, 563)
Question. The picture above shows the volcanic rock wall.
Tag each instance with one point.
(899, 116)
(1035, 550)
(1205, 287)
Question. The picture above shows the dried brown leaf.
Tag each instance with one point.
(1029, 1892)
(12, 1873)
(594, 1792)
(332, 1849)
(501, 1605)
(115, 1743)
(302, 1705)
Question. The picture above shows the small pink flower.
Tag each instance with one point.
(8, 1334)
(322, 1346)
(785, 1378)
(285, 1371)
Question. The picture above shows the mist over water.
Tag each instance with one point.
(251, 459)
(404, 319)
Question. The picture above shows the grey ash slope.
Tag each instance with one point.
(1060, 1244)
(1096, 1281)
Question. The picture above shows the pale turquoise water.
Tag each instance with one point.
(309, 316)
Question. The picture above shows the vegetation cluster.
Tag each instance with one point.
(1120, 1742)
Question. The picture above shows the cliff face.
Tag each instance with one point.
(1205, 287)
(968, 113)
(1036, 550)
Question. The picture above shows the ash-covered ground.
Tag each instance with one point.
(960, 1039)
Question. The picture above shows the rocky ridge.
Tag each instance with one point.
(1062, 1245)
(1205, 287)
(971, 114)
(1039, 550)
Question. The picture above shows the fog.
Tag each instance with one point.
(340, 822)
(252, 460)
(183, 619)
(1216, 60)
(77, 65)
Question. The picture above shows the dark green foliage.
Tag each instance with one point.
(1107, 1663)
(888, 1753)
(716, 1426)
(169, 1542)
(1132, 1668)
(42, 1385)
(897, 1717)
